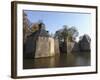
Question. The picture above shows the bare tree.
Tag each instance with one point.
(26, 26)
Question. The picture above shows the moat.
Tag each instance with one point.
(62, 60)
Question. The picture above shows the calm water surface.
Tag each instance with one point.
(62, 60)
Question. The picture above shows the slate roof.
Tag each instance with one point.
(86, 38)
(41, 33)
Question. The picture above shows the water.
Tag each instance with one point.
(62, 60)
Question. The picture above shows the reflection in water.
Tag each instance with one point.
(63, 60)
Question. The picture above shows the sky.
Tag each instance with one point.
(55, 20)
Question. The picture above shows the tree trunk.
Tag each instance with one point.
(65, 45)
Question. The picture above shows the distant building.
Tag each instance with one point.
(84, 43)
(73, 46)
(56, 46)
(40, 44)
